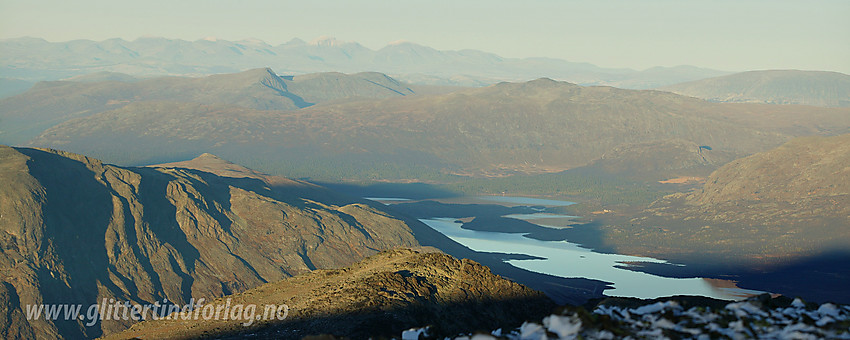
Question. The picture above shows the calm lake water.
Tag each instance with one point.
(565, 259)
(386, 199)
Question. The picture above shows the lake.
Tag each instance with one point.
(565, 259)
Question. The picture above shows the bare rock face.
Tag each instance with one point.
(380, 296)
(75, 230)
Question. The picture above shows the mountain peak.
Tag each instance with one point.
(328, 41)
(261, 71)
(206, 156)
(536, 83)
(208, 162)
(296, 42)
(252, 41)
(408, 45)
(543, 80)
(216, 165)
(549, 82)
(264, 75)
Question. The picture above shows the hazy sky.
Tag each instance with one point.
(728, 35)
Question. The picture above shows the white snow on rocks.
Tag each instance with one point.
(738, 320)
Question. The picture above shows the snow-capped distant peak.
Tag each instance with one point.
(210, 38)
(327, 41)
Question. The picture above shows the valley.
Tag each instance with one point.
(600, 246)
(529, 230)
(414, 191)
(77, 231)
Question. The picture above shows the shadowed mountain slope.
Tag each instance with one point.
(788, 202)
(49, 103)
(659, 160)
(75, 230)
(816, 88)
(10, 87)
(382, 295)
(332, 86)
(810, 175)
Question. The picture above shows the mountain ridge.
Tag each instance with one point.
(818, 88)
(381, 295)
(261, 89)
(161, 56)
(532, 127)
(76, 230)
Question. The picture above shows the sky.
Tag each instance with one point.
(720, 34)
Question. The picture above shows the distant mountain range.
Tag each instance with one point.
(34, 59)
(48, 103)
(531, 127)
(816, 88)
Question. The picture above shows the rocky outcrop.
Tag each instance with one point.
(379, 296)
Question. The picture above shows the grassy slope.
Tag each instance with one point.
(536, 127)
(774, 87)
(787, 202)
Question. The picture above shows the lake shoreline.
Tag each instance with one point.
(522, 222)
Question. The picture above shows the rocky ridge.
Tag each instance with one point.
(378, 297)
(76, 231)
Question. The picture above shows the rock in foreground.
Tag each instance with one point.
(380, 296)
(759, 317)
